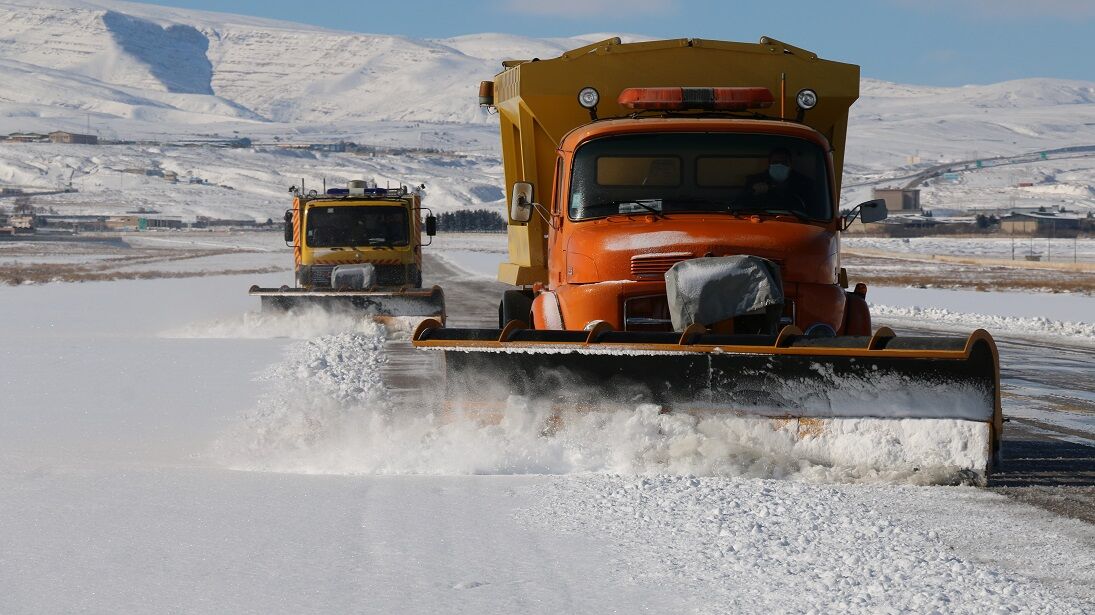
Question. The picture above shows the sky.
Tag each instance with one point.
(930, 42)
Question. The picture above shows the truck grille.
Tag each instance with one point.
(392, 275)
(386, 275)
(655, 265)
(648, 313)
(321, 275)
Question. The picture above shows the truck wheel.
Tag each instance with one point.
(857, 315)
(515, 305)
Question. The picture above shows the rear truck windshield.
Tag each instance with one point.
(700, 172)
(354, 227)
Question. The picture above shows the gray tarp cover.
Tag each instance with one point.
(708, 290)
(354, 277)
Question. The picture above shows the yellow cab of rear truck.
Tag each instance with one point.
(374, 236)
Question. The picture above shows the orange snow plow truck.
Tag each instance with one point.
(674, 237)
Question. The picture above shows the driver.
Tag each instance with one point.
(780, 186)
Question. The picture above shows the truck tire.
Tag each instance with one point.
(857, 315)
(515, 305)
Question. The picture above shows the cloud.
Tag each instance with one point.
(582, 9)
(1006, 9)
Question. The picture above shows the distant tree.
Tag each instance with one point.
(469, 220)
(23, 205)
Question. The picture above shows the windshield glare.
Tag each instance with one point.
(349, 226)
(699, 172)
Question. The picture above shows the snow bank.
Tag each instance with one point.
(1060, 249)
(1079, 332)
(765, 547)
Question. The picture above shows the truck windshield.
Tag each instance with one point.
(700, 172)
(349, 226)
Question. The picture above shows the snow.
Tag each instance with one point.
(184, 444)
(779, 547)
(327, 412)
(1011, 313)
(477, 254)
(1051, 250)
(247, 184)
(141, 72)
(163, 447)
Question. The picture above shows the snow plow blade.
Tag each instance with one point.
(886, 403)
(423, 302)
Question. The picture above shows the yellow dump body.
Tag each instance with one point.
(537, 105)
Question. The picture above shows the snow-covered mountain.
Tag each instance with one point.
(137, 71)
(117, 59)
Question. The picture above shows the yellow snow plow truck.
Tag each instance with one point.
(357, 249)
(674, 240)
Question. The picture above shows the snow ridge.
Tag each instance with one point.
(758, 546)
(1077, 332)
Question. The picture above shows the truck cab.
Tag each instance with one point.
(633, 197)
(357, 226)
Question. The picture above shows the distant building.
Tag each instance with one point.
(339, 147)
(26, 137)
(61, 136)
(21, 223)
(142, 223)
(899, 200)
(1040, 223)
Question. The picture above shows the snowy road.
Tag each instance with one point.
(123, 400)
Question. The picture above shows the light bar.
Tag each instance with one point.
(677, 98)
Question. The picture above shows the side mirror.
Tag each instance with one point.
(873, 211)
(289, 226)
(867, 212)
(520, 204)
(431, 226)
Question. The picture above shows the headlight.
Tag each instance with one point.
(588, 97)
(806, 99)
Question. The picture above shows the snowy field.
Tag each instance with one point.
(99, 66)
(1080, 249)
(246, 183)
(164, 447)
(130, 483)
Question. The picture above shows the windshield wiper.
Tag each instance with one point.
(789, 212)
(641, 203)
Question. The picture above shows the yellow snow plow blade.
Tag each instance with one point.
(416, 302)
(881, 402)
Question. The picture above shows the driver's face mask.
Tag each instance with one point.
(779, 172)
